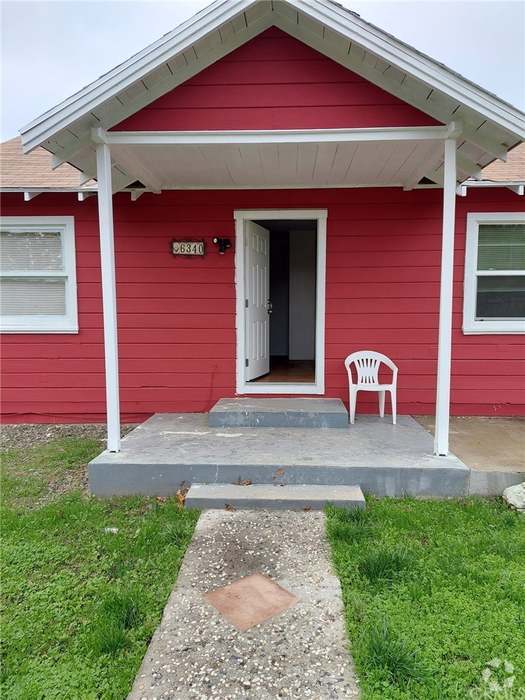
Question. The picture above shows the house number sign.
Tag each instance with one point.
(187, 247)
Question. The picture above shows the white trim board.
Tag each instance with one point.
(242, 386)
(471, 325)
(514, 186)
(271, 136)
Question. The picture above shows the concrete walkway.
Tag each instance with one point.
(299, 653)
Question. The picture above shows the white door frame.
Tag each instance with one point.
(242, 386)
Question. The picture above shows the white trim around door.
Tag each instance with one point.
(246, 387)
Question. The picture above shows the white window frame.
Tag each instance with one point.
(41, 323)
(471, 325)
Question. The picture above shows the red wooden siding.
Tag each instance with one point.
(274, 82)
(177, 316)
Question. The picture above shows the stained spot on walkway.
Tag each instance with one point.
(250, 601)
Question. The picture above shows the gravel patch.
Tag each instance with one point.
(70, 480)
(300, 653)
(24, 435)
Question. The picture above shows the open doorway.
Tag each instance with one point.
(291, 306)
(280, 282)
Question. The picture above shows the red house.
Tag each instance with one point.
(264, 156)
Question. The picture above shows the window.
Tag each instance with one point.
(494, 298)
(37, 275)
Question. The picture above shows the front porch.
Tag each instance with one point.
(417, 146)
(173, 450)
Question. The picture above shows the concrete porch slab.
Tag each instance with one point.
(279, 413)
(492, 447)
(384, 459)
(490, 444)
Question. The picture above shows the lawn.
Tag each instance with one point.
(84, 581)
(434, 594)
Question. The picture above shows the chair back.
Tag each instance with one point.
(367, 364)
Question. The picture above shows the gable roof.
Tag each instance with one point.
(491, 126)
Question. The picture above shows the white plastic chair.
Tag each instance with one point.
(367, 364)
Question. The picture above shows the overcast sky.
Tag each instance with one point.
(51, 49)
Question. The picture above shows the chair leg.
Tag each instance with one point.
(352, 404)
(393, 399)
(381, 403)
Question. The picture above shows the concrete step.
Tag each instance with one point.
(278, 413)
(268, 496)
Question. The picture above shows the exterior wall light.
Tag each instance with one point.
(223, 243)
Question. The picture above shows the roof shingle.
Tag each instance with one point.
(34, 169)
(511, 171)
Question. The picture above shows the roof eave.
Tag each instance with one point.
(123, 76)
(420, 65)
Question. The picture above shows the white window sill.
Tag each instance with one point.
(44, 329)
(494, 328)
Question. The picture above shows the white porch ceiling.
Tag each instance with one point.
(490, 126)
(280, 165)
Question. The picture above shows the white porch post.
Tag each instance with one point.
(109, 296)
(445, 301)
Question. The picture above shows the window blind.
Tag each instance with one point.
(30, 296)
(25, 251)
(501, 247)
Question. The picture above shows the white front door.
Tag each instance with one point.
(257, 287)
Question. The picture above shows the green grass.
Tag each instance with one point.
(79, 605)
(434, 594)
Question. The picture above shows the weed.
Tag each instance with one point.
(123, 608)
(384, 564)
(107, 637)
(387, 651)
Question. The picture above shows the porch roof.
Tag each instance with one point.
(20, 172)
(490, 126)
(281, 159)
